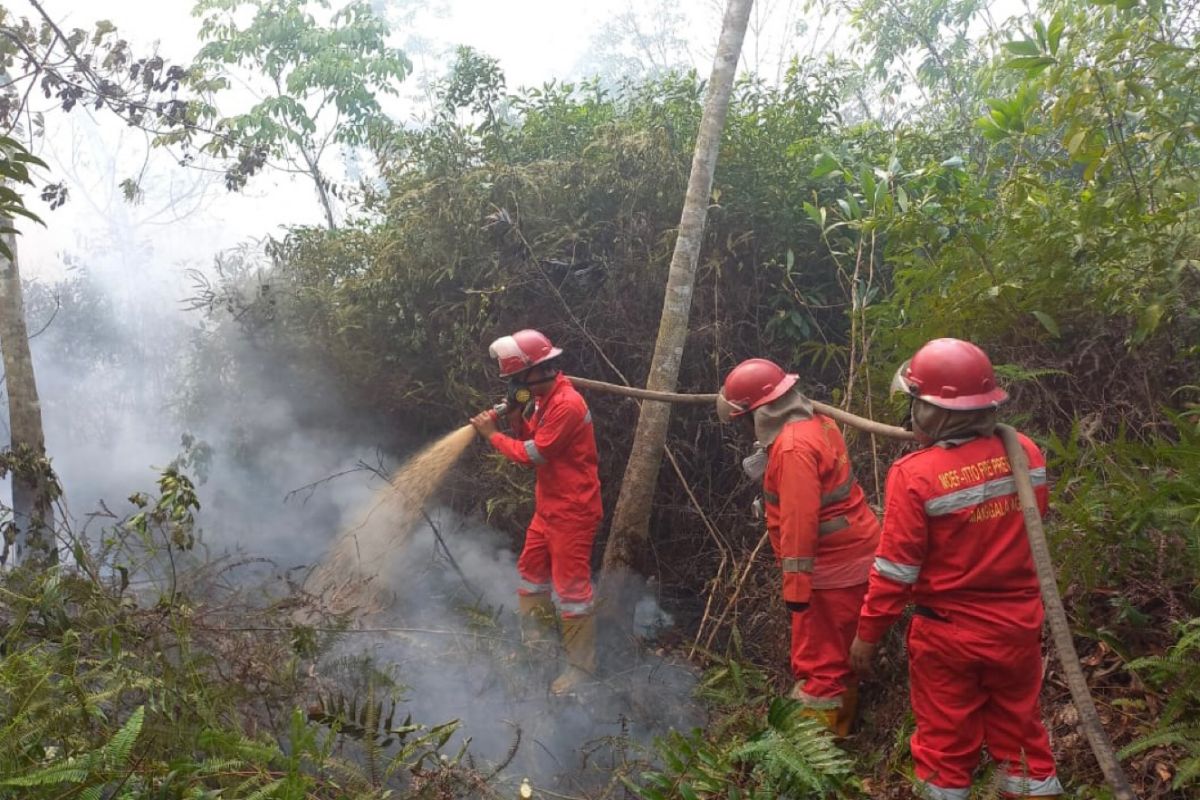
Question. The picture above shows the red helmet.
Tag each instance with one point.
(950, 374)
(521, 351)
(755, 382)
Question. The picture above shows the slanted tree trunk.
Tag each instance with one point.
(631, 519)
(318, 180)
(33, 514)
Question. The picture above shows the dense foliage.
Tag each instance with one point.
(1031, 187)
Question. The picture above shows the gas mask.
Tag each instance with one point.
(518, 397)
(755, 464)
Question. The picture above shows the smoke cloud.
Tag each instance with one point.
(131, 381)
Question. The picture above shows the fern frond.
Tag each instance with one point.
(116, 753)
(1184, 734)
(266, 791)
(48, 776)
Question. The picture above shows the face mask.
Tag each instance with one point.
(518, 393)
(755, 464)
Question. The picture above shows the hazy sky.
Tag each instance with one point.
(535, 40)
(188, 217)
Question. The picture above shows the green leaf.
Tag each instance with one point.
(866, 180)
(1048, 323)
(1023, 47)
(817, 215)
(1054, 32)
(823, 164)
(1033, 65)
(1148, 322)
(881, 195)
(1039, 28)
(1075, 141)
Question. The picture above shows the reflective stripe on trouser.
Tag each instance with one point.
(559, 557)
(972, 685)
(821, 637)
(1021, 786)
(931, 791)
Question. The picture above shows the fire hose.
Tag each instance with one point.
(1060, 630)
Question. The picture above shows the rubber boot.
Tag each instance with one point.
(847, 712)
(823, 709)
(537, 621)
(579, 641)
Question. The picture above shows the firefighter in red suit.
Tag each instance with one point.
(954, 545)
(551, 432)
(823, 533)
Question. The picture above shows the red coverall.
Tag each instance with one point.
(824, 536)
(559, 443)
(954, 543)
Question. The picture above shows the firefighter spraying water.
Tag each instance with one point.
(550, 430)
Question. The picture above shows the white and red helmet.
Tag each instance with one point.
(521, 351)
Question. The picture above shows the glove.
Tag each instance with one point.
(797, 608)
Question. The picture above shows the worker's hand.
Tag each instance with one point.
(862, 656)
(485, 424)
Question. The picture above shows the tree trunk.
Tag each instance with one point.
(318, 179)
(631, 519)
(33, 514)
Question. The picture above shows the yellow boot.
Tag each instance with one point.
(579, 640)
(823, 709)
(536, 613)
(847, 711)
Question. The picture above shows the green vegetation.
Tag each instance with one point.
(119, 680)
(1031, 186)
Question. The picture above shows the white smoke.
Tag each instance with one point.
(126, 372)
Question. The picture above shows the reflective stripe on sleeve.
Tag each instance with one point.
(900, 573)
(797, 564)
(532, 451)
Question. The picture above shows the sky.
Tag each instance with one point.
(534, 40)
